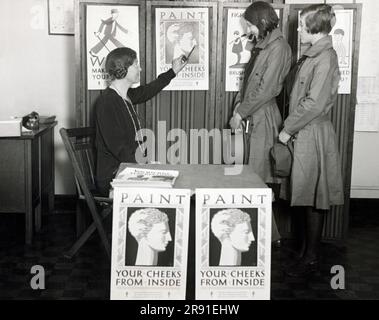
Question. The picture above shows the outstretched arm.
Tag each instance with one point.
(143, 93)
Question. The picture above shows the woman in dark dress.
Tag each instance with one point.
(116, 119)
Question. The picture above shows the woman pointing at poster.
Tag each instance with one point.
(116, 119)
(264, 75)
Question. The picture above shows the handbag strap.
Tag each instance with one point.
(291, 147)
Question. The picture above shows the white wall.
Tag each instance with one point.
(38, 74)
(365, 174)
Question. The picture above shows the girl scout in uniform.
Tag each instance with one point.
(264, 75)
(316, 180)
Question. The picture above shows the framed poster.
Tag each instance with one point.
(61, 16)
(149, 243)
(342, 34)
(178, 31)
(233, 244)
(238, 49)
(108, 28)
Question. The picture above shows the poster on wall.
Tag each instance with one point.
(238, 49)
(61, 16)
(233, 244)
(108, 27)
(183, 31)
(149, 243)
(342, 35)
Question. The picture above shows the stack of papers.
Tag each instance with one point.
(136, 177)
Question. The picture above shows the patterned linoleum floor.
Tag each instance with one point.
(87, 275)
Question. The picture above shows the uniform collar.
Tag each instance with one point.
(324, 43)
(272, 36)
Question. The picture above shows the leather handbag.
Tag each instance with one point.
(282, 158)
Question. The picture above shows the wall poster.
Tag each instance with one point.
(107, 28)
(342, 35)
(238, 49)
(178, 31)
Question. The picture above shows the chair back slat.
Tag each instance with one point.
(79, 143)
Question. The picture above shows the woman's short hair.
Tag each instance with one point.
(141, 221)
(118, 61)
(263, 16)
(319, 18)
(224, 221)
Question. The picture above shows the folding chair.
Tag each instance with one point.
(79, 143)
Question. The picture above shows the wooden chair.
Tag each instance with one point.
(79, 143)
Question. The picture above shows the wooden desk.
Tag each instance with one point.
(194, 176)
(27, 175)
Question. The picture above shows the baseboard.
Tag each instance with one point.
(365, 192)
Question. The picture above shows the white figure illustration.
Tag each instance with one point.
(232, 228)
(149, 226)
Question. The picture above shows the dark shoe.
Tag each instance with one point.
(302, 269)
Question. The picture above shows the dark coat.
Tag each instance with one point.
(115, 132)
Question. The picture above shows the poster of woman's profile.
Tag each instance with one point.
(233, 237)
(150, 237)
(149, 243)
(183, 32)
(180, 38)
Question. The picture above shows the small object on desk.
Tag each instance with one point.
(10, 127)
(31, 121)
(46, 119)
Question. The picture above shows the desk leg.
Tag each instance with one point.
(52, 164)
(29, 223)
(38, 217)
